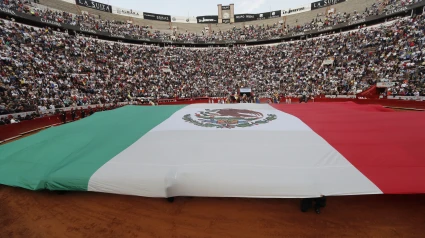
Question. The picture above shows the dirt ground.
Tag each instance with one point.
(77, 214)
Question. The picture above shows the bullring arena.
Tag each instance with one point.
(301, 122)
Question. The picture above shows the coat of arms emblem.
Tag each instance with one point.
(228, 118)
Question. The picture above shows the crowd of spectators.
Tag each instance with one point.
(12, 120)
(42, 69)
(333, 17)
(236, 33)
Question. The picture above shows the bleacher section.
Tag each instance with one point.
(304, 17)
(291, 20)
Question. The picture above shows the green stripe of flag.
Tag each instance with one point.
(65, 157)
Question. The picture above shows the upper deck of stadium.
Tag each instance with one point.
(291, 20)
(114, 23)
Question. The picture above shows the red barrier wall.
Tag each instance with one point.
(13, 130)
(383, 102)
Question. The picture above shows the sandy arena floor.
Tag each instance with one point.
(46, 214)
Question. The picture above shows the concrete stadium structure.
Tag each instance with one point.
(291, 20)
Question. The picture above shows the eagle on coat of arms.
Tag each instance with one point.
(228, 118)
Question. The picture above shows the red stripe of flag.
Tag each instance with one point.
(388, 147)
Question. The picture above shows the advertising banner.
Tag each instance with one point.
(245, 17)
(292, 11)
(94, 5)
(269, 15)
(324, 3)
(256, 17)
(127, 12)
(156, 17)
(207, 19)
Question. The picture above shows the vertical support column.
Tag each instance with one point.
(220, 14)
(232, 13)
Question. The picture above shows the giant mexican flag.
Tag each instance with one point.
(236, 150)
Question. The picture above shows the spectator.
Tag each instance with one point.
(63, 114)
(2, 123)
(73, 114)
(13, 120)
